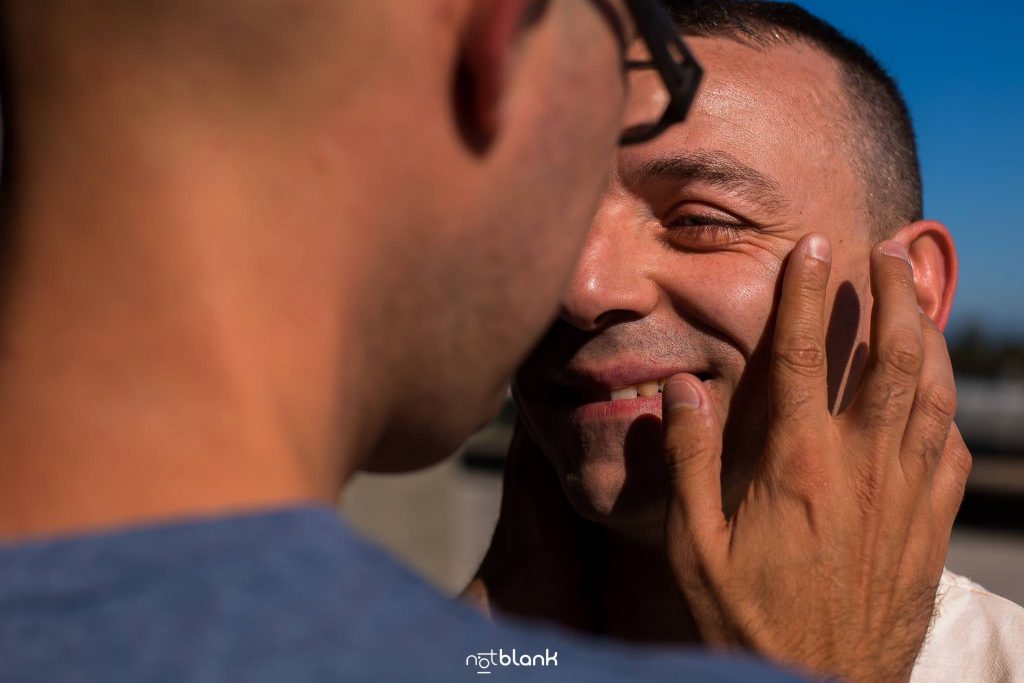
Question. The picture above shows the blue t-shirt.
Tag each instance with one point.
(283, 597)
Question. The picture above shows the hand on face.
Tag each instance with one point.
(832, 559)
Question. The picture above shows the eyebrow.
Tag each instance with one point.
(718, 169)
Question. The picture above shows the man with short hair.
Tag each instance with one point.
(796, 130)
(253, 246)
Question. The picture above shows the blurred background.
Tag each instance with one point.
(959, 66)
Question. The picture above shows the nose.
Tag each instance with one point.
(610, 283)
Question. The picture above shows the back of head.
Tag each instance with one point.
(336, 225)
(879, 134)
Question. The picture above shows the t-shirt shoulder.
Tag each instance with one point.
(975, 635)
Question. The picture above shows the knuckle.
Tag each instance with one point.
(809, 477)
(938, 402)
(963, 462)
(902, 354)
(798, 466)
(682, 462)
(803, 355)
(885, 406)
(675, 467)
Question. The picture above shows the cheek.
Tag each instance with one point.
(747, 305)
(731, 294)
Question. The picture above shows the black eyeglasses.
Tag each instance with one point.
(679, 71)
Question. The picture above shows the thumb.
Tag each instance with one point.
(693, 453)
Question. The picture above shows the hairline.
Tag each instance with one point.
(882, 223)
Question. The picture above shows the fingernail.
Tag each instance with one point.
(893, 248)
(818, 247)
(681, 394)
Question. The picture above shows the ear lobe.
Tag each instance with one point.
(936, 268)
(492, 39)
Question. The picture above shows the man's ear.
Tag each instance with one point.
(493, 37)
(936, 269)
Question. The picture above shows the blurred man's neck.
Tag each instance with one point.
(162, 355)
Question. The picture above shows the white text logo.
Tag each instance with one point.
(486, 662)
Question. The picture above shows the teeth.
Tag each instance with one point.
(647, 389)
(638, 390)
(624, 393)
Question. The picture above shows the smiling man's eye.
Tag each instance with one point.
(703, 229)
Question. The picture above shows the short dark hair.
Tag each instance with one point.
(881, 135)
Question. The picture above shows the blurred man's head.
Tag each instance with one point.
(391, 192)
(795, 130)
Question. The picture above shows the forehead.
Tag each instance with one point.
(779, 110)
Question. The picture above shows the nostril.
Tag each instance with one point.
(609, 318)
(581, 320)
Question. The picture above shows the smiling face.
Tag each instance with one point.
(680, 274)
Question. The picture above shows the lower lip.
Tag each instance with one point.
(630, 408)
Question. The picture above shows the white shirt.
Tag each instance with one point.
(975, 637)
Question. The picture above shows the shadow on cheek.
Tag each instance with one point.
(840, 341)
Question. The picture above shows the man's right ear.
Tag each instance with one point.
(492, 39)
(934, 259)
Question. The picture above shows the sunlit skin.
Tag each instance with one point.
(680, 274)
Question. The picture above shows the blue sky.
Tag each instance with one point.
(960, 67)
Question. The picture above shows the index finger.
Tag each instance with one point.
(798, 365)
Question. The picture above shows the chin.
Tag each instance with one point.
(618, 500)
(425, 439)
(396, 454)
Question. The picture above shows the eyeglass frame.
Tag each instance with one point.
(681, 80)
